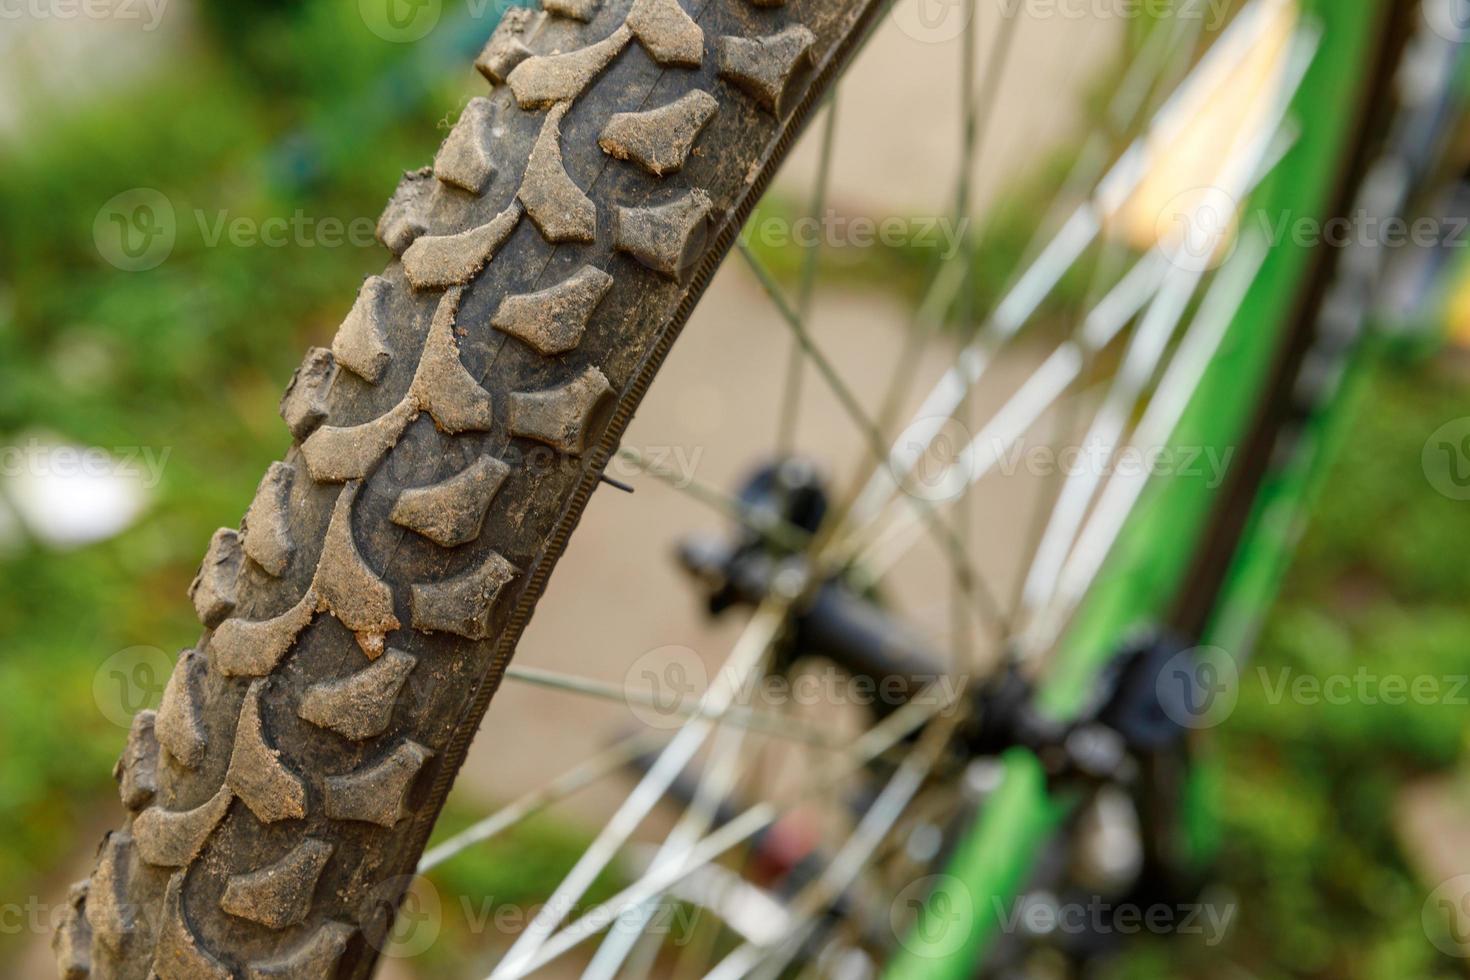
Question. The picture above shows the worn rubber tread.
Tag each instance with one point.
(431, 386)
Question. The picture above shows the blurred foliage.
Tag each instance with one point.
(189, 357)
(193, 355)
(491, 890)
(1309, 784)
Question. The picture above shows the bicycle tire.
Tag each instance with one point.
(357, 623)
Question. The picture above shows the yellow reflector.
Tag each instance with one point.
(1180, 204)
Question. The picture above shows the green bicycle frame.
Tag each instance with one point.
(962, 915)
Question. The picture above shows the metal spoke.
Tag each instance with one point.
(763, 522)
(974, 129)
(1145, 351)
(739, 716)
(846, 865)
(1048, 383)
(749, 651)
(1128, 101)
(952, 548)
(716, 780)
(1035, 396)
(1163, 59)
(612, 758)
(969, 148)
(1064, 421)
(1170, 399)
(1121, 493)
(789, 411)
(849, 401)
(1065, 248)
(930, 703)
(748, 909)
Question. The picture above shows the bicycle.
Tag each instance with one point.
(362, 618)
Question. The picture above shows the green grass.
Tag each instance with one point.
(1309, 784)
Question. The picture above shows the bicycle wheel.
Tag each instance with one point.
(360, 620)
